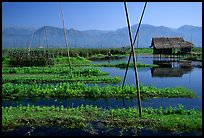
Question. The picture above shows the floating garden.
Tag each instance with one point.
(48, 76)
(96, 91)
(172, 119)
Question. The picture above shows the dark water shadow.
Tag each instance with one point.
(94, 129)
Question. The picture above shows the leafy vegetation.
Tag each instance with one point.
(31, 69)
(25, 58)
(144, 51)
(196, 54)
(27, 78)
(197, 49)
(195, 57)
(124, 65)
(53, 70)
(73, 60)
(62, 52)
(173, 119)
(105, 57)
(82, 90)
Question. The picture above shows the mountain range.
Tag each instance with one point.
(15, 37)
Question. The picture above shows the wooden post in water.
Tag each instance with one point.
(65, 37)
(137, 32)
(137, 46)
(134, 61)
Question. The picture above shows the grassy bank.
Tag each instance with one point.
(10, 90)
(171, 119)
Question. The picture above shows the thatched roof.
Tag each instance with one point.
(170, 42)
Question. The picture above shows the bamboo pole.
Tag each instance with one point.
(39, 40)
(65, 37)
(31, 41)
(134, 61)
(133, 44)
(47, 52)
(136, 51)
(46, 36)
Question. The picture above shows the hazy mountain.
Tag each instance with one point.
(21, 37)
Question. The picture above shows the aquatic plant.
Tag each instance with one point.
(90, 71)
(80, 89)
(32, 58)
(105, 57)
(124, 65)
(74, 52)
(36, 78)
(169, 119)
(73, 60)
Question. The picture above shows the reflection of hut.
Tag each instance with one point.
(162, 63)
(169, 72)
(170, 64)
(169, 45)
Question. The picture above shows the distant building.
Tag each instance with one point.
(170, 45)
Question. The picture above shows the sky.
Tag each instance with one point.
(100, 15)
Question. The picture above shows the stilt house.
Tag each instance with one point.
(170, 45)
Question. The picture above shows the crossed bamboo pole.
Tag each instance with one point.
(137, 33)
(133, 53)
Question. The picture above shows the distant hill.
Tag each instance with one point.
(20, 37)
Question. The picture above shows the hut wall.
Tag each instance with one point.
(186, 50)
(162, 51)
(157, 51)
(167, 51)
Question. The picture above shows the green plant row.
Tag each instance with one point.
(124, 65)
(82, 90)
(171, 119)
(144, 51)
(105, 57)
(74, 52)
(194, 58)
(90, 71)
(37, 78)
(73, 60)
(27, 58)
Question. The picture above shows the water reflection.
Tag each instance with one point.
(169, 72)
(94, 129)
(171, 69)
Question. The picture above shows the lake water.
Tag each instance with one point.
(171, 74)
